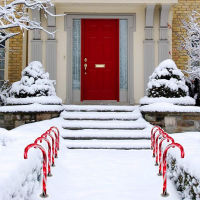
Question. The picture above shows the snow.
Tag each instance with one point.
(162, 71)
(107, 175)
(99, 108)
(101, 115)
(108, 144)
(169, 107)
(79, 174)
(190, 141)
(179, 101)
(96, 133)
(167, 78)
(140, 124)
(32, 108)
(29, 100)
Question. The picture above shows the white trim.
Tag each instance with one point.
(131, 28)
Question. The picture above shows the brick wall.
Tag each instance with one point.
(180, 11)
(15, 56)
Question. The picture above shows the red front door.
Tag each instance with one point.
(100, 59)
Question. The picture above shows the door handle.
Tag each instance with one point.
(85, 66)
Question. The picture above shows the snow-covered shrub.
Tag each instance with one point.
(167, 81)
(187, 184)
(34, 83)
(4, 90)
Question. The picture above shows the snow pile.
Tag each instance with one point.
(178, 101)
(32, 108)
(167, 81)
(168, 107)
(5, 137)
(21, 179)
(51, 100)
(35, 86)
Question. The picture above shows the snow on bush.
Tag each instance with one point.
(167, 81)
(20, 179)
(159, 102)
(34, 87)
(187, 184)
(4, 90)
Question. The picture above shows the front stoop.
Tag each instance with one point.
(105, 127)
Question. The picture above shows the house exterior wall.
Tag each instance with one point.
(180, 12)
(16, 60)
(100, 9)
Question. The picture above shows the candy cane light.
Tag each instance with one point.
(44, 191)
(173, 145)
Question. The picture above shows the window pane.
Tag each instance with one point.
(2, 63)
(1, 83)
(76, 61)
(1, 74)
(123, 40)
(2, 53)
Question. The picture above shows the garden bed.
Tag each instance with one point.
(172, 118)
(14, 116)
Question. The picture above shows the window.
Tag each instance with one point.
(2, 63)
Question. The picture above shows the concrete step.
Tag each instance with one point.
(99, 108)
(100, 115)
(105, 144)
(106, 134)
(108, 124)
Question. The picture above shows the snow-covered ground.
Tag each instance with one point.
(79, 174)
(86, 174)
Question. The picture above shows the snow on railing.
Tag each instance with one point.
(53, 148)
(158, 136)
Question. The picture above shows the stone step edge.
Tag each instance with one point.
(112, 148)
(101, 119)
(105, 138)
(102, 128)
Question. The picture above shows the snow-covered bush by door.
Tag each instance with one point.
(34, 83)
(35, 86)
(167, 81)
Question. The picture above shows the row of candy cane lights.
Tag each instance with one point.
(53, 148)
(158, 136)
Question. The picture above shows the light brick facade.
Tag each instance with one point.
(15, 56)
(180, 11)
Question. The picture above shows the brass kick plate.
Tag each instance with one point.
(99, 65)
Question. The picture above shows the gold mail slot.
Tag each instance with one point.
(99, 65)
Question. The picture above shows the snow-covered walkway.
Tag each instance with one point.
(107, 175)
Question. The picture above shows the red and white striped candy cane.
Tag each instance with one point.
(160, 151)
(49, 152)
(47, 133)
(173, 145)
(44, 181)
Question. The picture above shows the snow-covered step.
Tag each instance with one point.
(100, 115)
(106, 134)
(107, 144)
(100, 108)
(109, 124)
